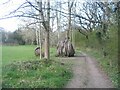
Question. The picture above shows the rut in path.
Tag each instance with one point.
(86, 73)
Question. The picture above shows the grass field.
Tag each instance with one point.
(20, 53)
(22, 69)
(17, 53)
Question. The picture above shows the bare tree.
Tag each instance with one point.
(58, 22)
(46, 25)
(40, 41)
(37, 36)
(70, 5)
(87, 17)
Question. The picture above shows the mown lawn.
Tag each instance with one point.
(20, 53)
(17, 53)
(22, 69)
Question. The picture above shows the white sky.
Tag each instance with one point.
(10, 24)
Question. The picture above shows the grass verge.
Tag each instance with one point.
(36, 74)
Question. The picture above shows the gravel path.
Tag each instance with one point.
(86, 73)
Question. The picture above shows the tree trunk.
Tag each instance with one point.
(73, 31)
(37, 37)
(47, 51)
(47, 45)
(58, 25)
(40, 41)
(58, 16)
(46, 25)
(69, 20)
(69, 31)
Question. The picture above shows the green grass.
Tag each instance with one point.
(22, 69)
(17, 53)
(20, 53)
(36, 74)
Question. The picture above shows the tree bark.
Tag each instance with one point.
(37, 37)
(47, 51)
(73, 30)
(40, 41)
(46, 25)
(58, 26)
(69, 31)
(47, 55)
(69, 19)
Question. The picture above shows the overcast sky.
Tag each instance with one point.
(12, 23)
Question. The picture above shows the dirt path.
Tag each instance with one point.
(86, 73)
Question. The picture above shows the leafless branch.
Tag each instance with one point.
(6, 2)
(17, 9)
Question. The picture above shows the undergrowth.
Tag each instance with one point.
(104, 49)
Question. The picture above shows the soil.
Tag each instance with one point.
(86, 73)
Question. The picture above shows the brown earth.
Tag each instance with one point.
(86, 73)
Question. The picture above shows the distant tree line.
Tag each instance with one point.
(26, 36)
(18, 37)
